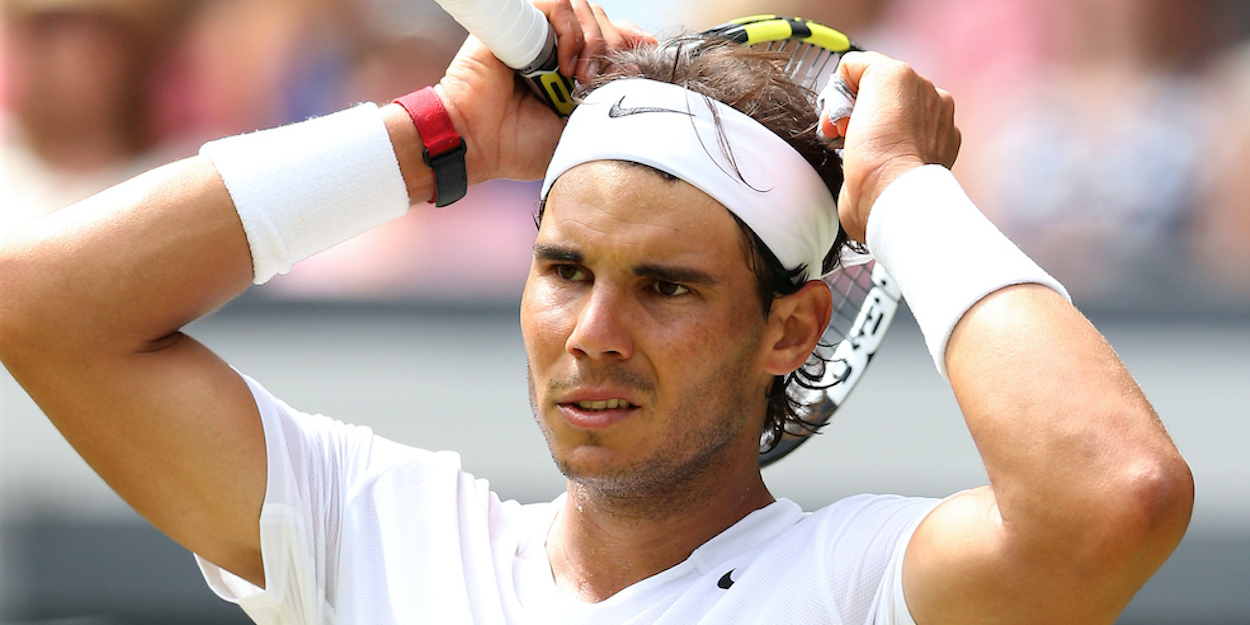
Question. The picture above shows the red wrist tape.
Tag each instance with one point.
(444, 148)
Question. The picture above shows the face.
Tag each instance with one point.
(643, 331)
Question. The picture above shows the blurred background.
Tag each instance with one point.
(1109, 138)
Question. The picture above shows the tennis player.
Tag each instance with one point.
(672, 286)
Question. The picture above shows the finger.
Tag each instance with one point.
(836, 103)
(948, 105)
(634, 35)
(593, 47)
(827, 128)
(832, 132)
(841, 125)
(569, 36)
(853, 65)
(612, 38)
(959, 140)
(954, 136)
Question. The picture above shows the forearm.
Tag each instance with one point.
(1068, 439)
(1087, 495)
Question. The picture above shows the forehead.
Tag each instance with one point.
(622, 209)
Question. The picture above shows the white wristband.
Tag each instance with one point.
(944, 254)
(303, 188)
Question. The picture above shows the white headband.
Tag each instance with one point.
(670, 128)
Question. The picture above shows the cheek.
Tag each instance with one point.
(544, 325)
(705, 344)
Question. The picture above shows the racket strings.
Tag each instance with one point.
(809, 65)
(850, 287)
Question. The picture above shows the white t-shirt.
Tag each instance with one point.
(359, 529)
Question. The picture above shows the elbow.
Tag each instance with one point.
(1145, 515)
(1163, 491)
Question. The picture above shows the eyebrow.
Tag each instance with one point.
(676, 275)
(555, 253)
(663, 273)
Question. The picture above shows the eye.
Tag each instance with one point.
(670, 289)
(570, 272)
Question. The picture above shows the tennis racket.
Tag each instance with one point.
(865, 297)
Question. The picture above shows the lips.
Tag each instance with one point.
(595, 412)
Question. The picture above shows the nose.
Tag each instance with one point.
(601, 331)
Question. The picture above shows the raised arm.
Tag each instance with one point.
(92, 298)
(1087, 495)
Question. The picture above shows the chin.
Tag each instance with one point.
(592, 461)
(632, 475)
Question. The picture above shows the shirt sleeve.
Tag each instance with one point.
(891, 605)
(314, 465)
(869, 537)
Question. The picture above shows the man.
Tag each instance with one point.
(653, 357)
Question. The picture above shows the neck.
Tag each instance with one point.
(602, 543)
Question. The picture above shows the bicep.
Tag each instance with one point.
(177, 434)
(963, 566)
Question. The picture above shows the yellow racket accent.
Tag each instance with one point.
(558, 91)
(766, 28)
(753, 18)
(770, 30)
(828, 38)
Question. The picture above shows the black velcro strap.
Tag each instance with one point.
(451, 181)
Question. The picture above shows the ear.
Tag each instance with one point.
(795, 324)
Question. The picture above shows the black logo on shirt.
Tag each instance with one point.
(619, 111)
(725, 580)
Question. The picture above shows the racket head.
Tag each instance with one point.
(814, 48)
(865, 298)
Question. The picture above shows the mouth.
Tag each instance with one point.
(596, 414)
(608, 404)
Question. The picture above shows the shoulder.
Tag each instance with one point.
(863, 540)
(316, 452)
(868, 512)
(863, 532)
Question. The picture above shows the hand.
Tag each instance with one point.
(508, 132)
(900, 122)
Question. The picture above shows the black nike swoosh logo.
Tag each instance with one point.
(619, 111)
(725, 580)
